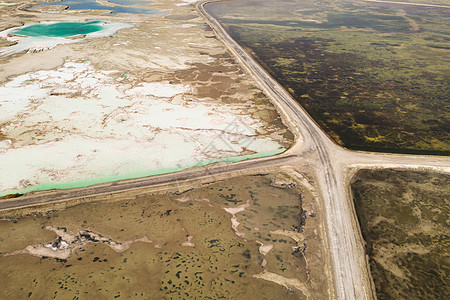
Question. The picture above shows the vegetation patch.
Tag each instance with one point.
(404, 220)
(373, 78)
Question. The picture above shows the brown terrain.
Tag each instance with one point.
(304, 200)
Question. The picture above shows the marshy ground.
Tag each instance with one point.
(248, 237)
(404, 218)
(374, 75)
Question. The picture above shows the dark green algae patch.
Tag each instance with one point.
(63, 29)
(374, 76)
(404, 219)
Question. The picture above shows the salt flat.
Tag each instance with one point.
(156, 94)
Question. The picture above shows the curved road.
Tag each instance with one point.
(331, 163)
(350, 283)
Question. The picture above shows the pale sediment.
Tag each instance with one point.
(63, 246)
(102, 117)
(289, 283)
(234, 220)
(189, 242)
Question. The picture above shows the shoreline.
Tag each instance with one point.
(140, 175)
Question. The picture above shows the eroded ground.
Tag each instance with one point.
(404, 218)
(161, 96)
(250, 237)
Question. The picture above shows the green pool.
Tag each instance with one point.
(64, 29)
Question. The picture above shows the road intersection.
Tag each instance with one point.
(331, 165)
(334, 166)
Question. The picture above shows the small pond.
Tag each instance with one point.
(42, 36)
(64, 29)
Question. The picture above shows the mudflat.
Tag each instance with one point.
(246, 237)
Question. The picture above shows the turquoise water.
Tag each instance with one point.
(92, 4)
(63, 29)
(93, 181)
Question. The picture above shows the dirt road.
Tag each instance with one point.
(218, 169)
(332, 167)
